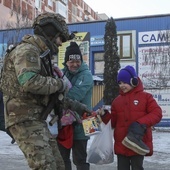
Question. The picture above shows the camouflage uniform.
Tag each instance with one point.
(27, 87)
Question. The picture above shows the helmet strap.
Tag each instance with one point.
(55, 37)
(48, 41)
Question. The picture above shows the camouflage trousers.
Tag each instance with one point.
(39, 147)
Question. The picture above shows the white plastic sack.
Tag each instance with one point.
(101, 149)
(54, 128)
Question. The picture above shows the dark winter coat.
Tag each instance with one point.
(82, 86)
(127, 108)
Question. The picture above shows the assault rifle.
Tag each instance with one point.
(56, 102)
(56, 99)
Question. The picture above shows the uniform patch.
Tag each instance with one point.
(31, 58)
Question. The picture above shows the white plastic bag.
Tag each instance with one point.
(54, 128)
(101, 149)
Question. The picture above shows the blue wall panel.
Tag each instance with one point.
(13, 35)
(149, 23)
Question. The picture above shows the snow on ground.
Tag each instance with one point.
(6, 147)
(161, 146)
(159, 159)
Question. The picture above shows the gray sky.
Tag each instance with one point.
(130, 8)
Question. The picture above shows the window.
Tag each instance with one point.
(50, 3)
(74, 10)
(126, 50)
(126, 44)
(61, 9)
(80, 14)
(65, 1)
(98, 63)
(38, 4)
(73, 19)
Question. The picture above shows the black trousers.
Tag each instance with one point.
(79, 153)
(130, 162)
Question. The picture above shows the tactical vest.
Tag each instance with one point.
(21, 106)
(7, 78)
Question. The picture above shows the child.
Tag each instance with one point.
(133, 113)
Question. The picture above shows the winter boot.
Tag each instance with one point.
(135, 143)
(133, 140)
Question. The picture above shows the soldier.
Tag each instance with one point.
(27, 84)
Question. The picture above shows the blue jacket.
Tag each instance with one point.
(82, 86)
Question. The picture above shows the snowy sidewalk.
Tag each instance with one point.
(11, 158)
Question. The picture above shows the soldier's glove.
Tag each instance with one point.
(76, 106)
(64, 85)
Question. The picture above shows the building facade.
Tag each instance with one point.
(20, 13)
(143, 42)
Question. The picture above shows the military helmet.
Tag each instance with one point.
(56, 20)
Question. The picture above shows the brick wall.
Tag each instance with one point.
(7, 3)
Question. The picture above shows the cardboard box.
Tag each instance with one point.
(91, 125)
